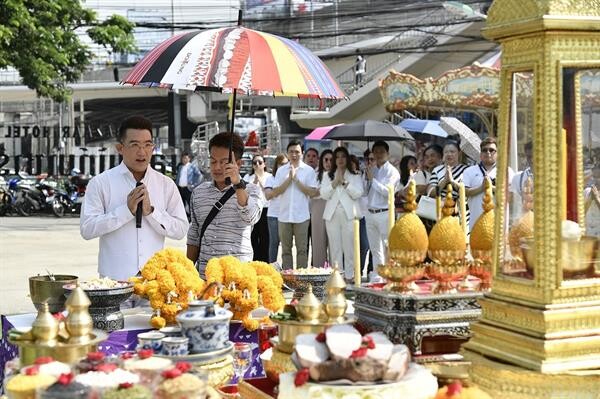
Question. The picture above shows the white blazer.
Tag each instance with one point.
(346, 196)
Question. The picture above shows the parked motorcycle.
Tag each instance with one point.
(66, 201)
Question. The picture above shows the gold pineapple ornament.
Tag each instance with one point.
(409, 233)
(482, 236)
(447, 242)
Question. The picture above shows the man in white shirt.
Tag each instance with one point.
(474, 176)
(296, 183)
(378, 178)
(187, 178)
(112, 198)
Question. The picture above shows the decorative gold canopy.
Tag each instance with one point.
(513, 17)
(542, 321)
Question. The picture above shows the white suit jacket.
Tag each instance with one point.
(346, 196)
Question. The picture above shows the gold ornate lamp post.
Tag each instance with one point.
(539, 335)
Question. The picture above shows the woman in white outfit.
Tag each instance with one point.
(341, 187)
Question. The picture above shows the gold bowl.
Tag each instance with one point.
(446, 274)
(579, 257)
(399, 277)
(44, 289)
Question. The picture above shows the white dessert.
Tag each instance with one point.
(313, 352)
(100, 379)
(417, 383)
(53, 368)
(342, 340)
(148, 364)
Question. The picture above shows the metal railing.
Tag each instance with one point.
(199, 144)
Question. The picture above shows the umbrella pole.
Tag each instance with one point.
(232, 120)
(231, 124)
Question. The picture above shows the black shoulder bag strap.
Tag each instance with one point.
(214, 211)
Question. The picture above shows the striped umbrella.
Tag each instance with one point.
(235, 59)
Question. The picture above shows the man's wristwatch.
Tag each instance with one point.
(240, 185)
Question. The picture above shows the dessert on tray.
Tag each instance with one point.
(342, 362)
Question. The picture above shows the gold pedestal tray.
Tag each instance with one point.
(289, 329)
(502, 380)
(219, 373)
(64, 352)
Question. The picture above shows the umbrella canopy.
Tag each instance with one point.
(235, 59)
(469, 140)
(368, 130)
(319, 132)
(424, 126)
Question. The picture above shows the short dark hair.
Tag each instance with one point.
(223, 139)
(487, 141)
(367, 153)
(436, 148)
(293, 143)
(381, 143)
(311, 149)
(134, 122)
(185, 154)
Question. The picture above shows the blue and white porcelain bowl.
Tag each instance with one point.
(150, 340)
(175, 346)
(207, 327)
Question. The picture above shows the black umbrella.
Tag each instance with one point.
(368, 131)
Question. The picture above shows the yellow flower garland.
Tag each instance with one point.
(168, 277)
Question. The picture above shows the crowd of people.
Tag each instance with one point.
(307, 201)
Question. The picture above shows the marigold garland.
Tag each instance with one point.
(168, 277)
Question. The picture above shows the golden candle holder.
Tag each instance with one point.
(403, 267)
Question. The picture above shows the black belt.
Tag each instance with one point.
(378, 210)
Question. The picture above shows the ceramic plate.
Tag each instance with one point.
(205, 357)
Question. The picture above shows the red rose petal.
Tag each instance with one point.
(125, 385)
(126, 355)
(96, 356)
(360, 352)
(302, 377)
(145, 353)
(455, 388)
(32, 370)
(321, 337)
(171, 373)
(184, 367)
(65, 379)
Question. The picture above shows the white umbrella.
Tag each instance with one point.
(469, 140)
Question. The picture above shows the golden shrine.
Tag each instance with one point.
(539, 334)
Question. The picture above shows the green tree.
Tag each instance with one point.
(41, 39)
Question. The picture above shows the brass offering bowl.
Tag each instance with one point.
(44, 289)
(446, 273)
(289, 329)
(105, 307)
